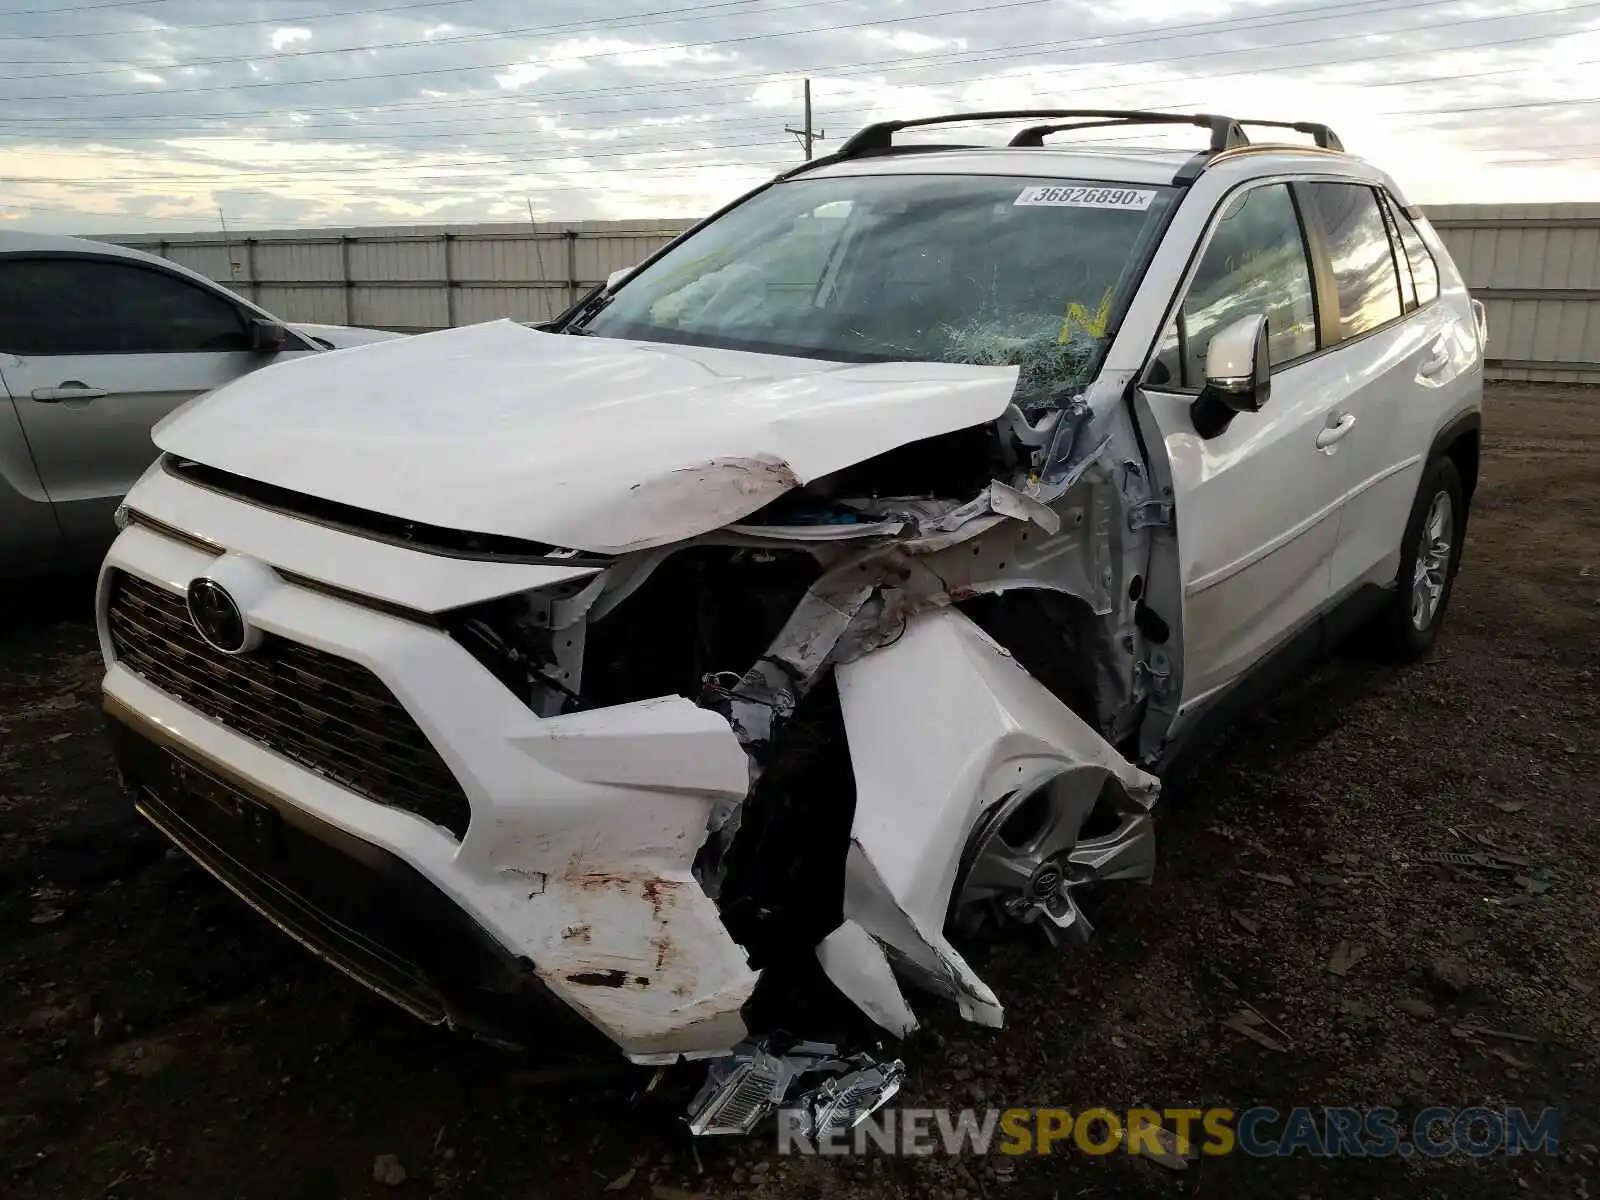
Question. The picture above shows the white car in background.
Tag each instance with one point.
(831, 589)
(97, 343)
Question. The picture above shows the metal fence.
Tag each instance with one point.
(1536, 267)
(416, 279)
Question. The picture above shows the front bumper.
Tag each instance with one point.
(574, 878)
(355, 905)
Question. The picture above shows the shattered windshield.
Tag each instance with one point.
(935, 268)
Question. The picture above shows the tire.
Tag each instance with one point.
(1405, 628)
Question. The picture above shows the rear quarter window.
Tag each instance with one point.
(1424, 271)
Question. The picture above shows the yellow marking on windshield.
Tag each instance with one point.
(1092, 323)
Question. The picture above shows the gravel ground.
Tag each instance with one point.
(158, 1039)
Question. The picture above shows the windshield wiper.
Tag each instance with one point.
(588, 312)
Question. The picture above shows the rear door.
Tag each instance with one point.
(1403, 355)
(100, 349)
(1257, 506)
(1407, 359)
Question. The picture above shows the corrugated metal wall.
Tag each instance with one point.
(415, 279)
(1536, 267)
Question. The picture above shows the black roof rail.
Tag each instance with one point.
(1326, 138)
(1226, 132)
(880, 136)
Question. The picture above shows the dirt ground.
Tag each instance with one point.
(158, 1039)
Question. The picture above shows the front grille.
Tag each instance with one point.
(323, 712)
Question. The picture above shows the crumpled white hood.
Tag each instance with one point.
(586, 442)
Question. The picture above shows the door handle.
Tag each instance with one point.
(1335, 432)
(69, 389)
(1434, 363)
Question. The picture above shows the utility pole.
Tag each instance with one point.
(806, 136)
(227, 241)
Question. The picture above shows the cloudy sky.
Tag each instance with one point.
(129, 115)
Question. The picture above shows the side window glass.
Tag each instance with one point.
(22, 315)
(166, 314)
(1363, 264)
(1256, 262)
(94, 306)
(1408, 288)
(1423, 269)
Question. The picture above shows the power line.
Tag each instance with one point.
(1558, 146)
(301, 176)
(470, 172)
(946, 58)
(627, 21)
(1299, 16)
(565, 149)
(534, 62)
(882, 65)
(384, 133)
(346, 174)
(673, 175)
(1584, 162)
(298, 19)
(401, 175)
(79, 8)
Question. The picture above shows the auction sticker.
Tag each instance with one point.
(1087, 197)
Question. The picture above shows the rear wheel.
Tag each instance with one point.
(1409, 622)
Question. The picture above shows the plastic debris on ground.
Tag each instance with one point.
(749, 1084)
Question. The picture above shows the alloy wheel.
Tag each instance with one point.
(1037, 854)
(1432, 568)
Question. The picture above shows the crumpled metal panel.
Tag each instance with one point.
(942, 724)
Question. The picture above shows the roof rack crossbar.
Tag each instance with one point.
(1325, 137)
(1227, 133)
(880, 136)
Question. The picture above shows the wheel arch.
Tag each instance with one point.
(1460, 441)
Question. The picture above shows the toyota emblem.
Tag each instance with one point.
(216, 616)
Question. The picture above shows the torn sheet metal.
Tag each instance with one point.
(597, 873)
(769, 690)
(856, 964)
(754, 1081)
(855, 531)
(1006, 501)
(942, 725)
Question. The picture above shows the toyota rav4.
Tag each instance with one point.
(827, 591)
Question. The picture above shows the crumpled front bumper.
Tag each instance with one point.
(576, 866)
(355, 905)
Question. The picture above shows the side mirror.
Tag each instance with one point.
(267, 337)
(614, 280)
(1238, 375)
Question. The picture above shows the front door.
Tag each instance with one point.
(1258, 505)
(99, 350)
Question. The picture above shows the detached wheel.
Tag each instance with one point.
(1405, 628)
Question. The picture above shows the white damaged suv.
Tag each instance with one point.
(836, 584)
